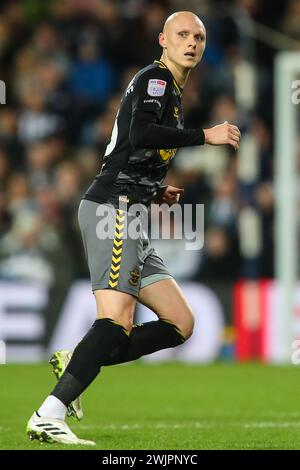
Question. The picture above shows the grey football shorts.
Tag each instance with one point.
(115, 259)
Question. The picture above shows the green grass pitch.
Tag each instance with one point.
(170, 406)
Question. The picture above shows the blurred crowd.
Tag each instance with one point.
(66, 63)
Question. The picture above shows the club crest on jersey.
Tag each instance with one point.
(156, 87)
(166, 154)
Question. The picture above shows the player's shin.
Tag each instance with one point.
(103, 343)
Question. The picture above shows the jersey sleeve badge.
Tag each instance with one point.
(156, 87)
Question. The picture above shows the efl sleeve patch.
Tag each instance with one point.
(156, 87)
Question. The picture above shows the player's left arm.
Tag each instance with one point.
(149, 97)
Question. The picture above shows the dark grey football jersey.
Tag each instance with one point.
(133, 166)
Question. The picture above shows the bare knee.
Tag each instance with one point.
(124, 318)
(185, 323)
(187, 327)
(116, 305)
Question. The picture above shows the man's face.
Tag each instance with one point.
(184, 40)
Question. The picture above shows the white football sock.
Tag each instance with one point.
(52, 408)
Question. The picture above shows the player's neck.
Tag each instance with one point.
(180, 74)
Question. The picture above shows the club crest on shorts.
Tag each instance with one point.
(156, 87)
(135, 275)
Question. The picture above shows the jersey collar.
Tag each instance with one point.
(162, 65)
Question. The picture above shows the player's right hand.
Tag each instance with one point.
(223, 134)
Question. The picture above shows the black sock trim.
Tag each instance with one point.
(176, 329)
(111, 320)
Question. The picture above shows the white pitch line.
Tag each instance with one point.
(134, 426)
(270, 424)
(195, 425)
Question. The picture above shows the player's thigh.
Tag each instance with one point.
(168, 302)
(114, 260)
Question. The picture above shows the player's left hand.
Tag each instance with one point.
(171, 195)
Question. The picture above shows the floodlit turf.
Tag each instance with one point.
(173, 406)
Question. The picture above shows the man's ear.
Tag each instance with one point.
(162, 39)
